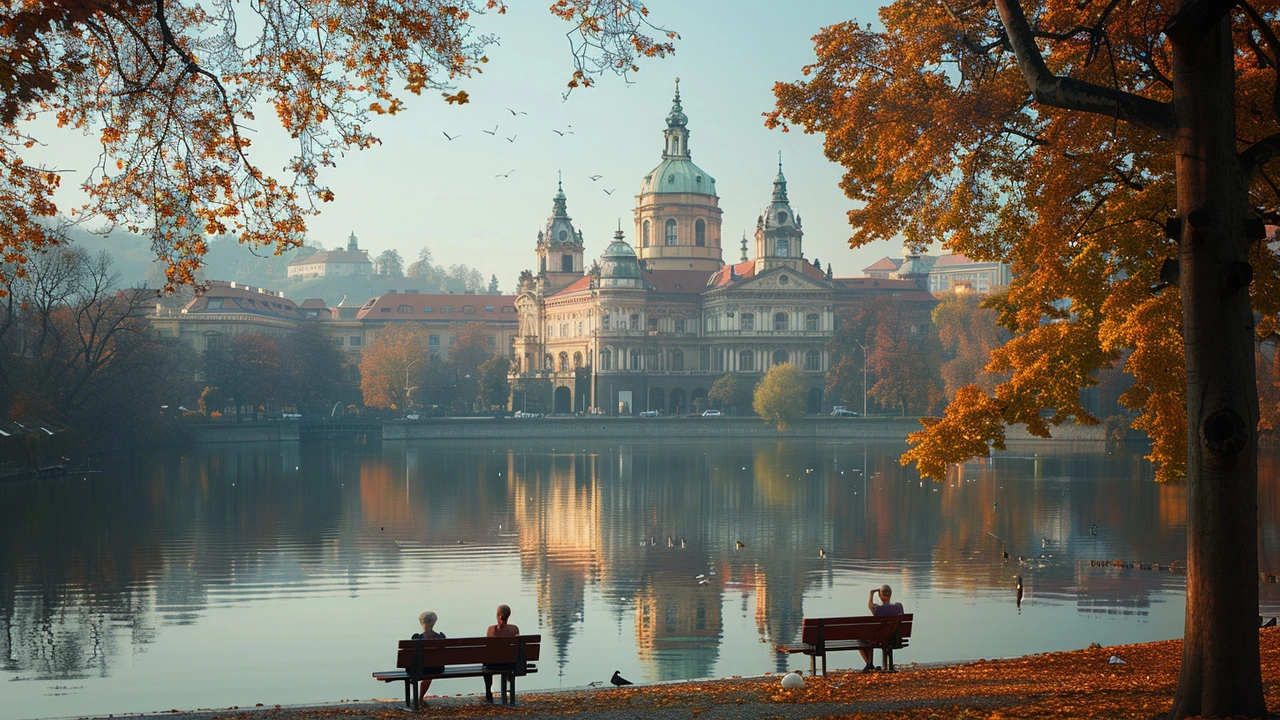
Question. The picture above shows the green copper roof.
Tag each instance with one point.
(678, 175)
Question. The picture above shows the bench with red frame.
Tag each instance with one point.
(820, 636)
(507, 657)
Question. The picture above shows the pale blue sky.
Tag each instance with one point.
(420, 189)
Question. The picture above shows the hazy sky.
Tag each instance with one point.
(420, 189)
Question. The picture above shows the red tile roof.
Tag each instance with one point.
(675, 281)
(417, 306)
(744, 270)
(333, 256)
(904, 289)
(233, 297)
(953, 259)
(886, 263)
(578, 285)
(314, 304)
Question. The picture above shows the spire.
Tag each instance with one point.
(352, 246)
(780, 183)
(744, 246)
(559, 207)
(676, 136)
(677, 118)
(618, 236)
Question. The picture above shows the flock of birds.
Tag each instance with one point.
(568, 130)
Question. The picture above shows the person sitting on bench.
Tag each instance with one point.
(502, 629)
(428, 622)
(882, 609)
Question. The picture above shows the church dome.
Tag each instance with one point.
(619, 266)
(678, 175)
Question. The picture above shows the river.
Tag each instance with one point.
(284, 573)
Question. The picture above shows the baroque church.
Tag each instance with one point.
(651, 325)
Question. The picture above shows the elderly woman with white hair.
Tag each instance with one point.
(428, 622)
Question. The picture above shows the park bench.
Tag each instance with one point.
(507, 657)
(819, 636)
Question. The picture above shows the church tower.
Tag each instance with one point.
(677, 211)
(559, 246)
(779, 236)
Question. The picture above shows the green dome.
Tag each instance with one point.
(678, 175)
(619, 266)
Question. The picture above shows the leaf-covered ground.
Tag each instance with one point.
(1078, 684)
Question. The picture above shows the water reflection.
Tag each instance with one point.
(624, 556)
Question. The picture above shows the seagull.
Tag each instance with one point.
(512, 138)
(608, 192)
(618, 680)
(514, 112)
(561, 133)
(506, 174)
(450, 137)
(494, 131)
(594, 178)
(595, 683)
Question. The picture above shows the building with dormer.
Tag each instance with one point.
(336, 262)
(655, 322)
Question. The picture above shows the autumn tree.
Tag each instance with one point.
(473, 344)
(1120, 157)
(732, 392)
(495, 385)
(781, 396)
(904, 358)
(967, 333)
(391, 365)
(171, 89)
(846, 378)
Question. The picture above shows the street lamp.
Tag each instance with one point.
(863, 348)
(413, 362)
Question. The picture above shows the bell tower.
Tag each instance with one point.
(560, 246)
(779, 236)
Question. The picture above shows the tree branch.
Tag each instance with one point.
(1258, 155)
(1273, 44)
(1071, 94)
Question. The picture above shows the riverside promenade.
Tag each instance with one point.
(1077, 684)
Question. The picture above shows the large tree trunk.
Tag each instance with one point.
(1221, 673)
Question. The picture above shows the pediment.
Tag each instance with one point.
(779, 278)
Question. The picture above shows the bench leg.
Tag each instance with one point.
(824, 664)
(888, 660)
(513, 689)
(813, 665)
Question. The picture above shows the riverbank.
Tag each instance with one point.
(1077, 684)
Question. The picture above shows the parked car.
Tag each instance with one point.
(842, 411)
(292, 416)
(523, 414)
(712, 413)
(413, 416)
(649, 413)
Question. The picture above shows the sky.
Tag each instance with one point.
(419, 188)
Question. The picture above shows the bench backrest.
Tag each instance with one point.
(413, 655)
(884, 629)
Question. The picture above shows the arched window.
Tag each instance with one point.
(780, 357)
(677, 360)
(779, 321)
(604, 322)
(564, 361)
(566, 263)
(635, 359)
(644, 234)
(404, 309)
(671, 232)
(748, 322)
(782, 247)
(700, 234)
(746, 361)
(606, 360)
(811, 322)
(653, 361)
(813, 361)
(577, 360)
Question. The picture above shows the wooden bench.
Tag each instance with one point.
(820, 636)
(507, 657)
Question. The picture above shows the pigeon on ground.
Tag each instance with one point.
(618, 680)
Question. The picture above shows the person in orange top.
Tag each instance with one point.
(501, 629)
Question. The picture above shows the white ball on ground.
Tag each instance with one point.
(792, 680)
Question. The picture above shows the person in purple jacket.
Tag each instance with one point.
(885, 607)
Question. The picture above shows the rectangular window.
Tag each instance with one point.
(214, 304)
(604, 322)
(679, 327)
(748, 322)
(446, 308)
(433, 340)
(579, 328)
(490, 340)
(635, 322)
(355, 341)
(337, 341)
(450, 341)
(653, 324)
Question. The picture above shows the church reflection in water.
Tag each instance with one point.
(643, 538)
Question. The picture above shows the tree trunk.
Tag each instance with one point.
(1221, 674)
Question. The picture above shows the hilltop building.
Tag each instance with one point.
(655, 323)
(349, 262)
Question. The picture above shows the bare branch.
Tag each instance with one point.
(1258, 155)
(1071, 94)
(1273, 44)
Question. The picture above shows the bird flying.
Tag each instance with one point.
(608, 192)
(515, 112)
(561, 133)
(512, 138)
(506, 174)
(494, 131)
(451, 138)
(594, 178)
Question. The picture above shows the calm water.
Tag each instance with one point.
(285, 574)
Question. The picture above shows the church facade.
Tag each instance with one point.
(652, 325)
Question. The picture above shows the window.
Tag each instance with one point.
(468, 309)
(652, 324)
(811, 322)
(488, 308)
(635, 322)
(579, 327)
(566, 263)
(700, 234)
(644, 234)
(779, 321)
(564, 329)
(813, 361)
(677, 360)
(717, 360)
(433, 340)
(680, 326)
(606, 360)
(451, 338)
(746, 361)
(604, 322)
(490, 340)
(748, 322)
(577, 360)
(426, 309)
(212, 342)
(508, 309)
(782, 247)
(782, 217)
(671, 232)
(354, 341)
(635, 359)
(386, 310)
(404, 309)
(214, 304)
(780, 357)
(337, 342)
(435, 357)
(704, 358)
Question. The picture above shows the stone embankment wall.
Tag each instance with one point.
(246, 432)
